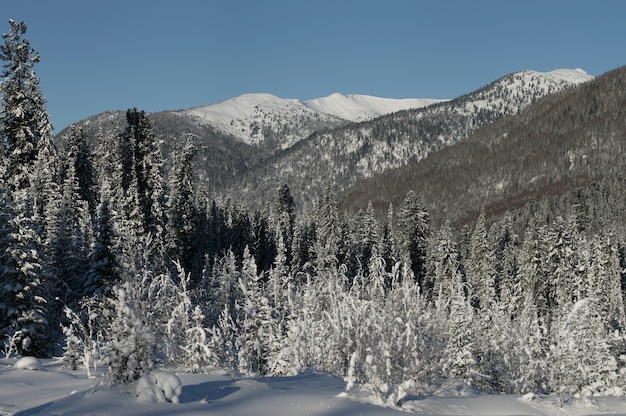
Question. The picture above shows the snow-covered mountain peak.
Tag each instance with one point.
(575, 76)
(275, 123)
(265, 119)
(355, 107)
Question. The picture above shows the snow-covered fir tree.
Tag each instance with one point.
(181, 209)
(23, 114)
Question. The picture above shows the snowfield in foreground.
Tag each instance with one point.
(53, 391)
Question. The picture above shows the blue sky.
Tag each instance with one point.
(164, 55)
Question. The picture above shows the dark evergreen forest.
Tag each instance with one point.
(511, 279)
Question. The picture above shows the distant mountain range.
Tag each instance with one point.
(342, 156)
(258, 119)
(251, 144)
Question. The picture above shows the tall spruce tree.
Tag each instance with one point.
(24, 123)
(284, 219)
(80, 156)
(147, 168)
(181, 209)
(413, 234)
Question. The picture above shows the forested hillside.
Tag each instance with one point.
(561, 154)
(341, 157)
(111, 259)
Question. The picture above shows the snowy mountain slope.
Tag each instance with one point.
(264, 119)
(267, 120)
(544, 153)
(358, 108)
(343, 156)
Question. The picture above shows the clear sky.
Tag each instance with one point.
(164, 55)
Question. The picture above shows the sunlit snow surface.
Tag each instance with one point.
(357, 107)
(257, 118)
(53, 391)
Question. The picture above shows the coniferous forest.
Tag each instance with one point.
(112, 255)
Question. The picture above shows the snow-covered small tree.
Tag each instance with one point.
(198, 353)
(82, 336)
(130, 346)
(223, 340)
(178, 315)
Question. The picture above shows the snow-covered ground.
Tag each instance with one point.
(53, 391)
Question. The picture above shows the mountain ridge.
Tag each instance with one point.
(564, 151)
(360, 107)
(308, 149)
(342, 156)
(259, 118)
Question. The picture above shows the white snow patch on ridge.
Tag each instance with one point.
(574, 76)
(355, 107)
(257, 118)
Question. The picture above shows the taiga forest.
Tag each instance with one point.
(480, 239)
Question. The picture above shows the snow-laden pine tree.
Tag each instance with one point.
(532, 325)
(446, 270)
(364, 239)
(489, 324)
(250, 349)
(24, 293)
(24, 122)
(413, 234)
(283, 219)
(480, 270)
(223, 340)
(585, 363)
(458, 360)
(280, 282)
(506, 243)
(147, 168)
(223, 287)
(198, 354)
(605, 282)
(104, 254)
(562, 267)
(79, 158)
(23, 115)
(69, 240)
(181, 209)
(328, 231)
(46, 184)
(130, 346)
